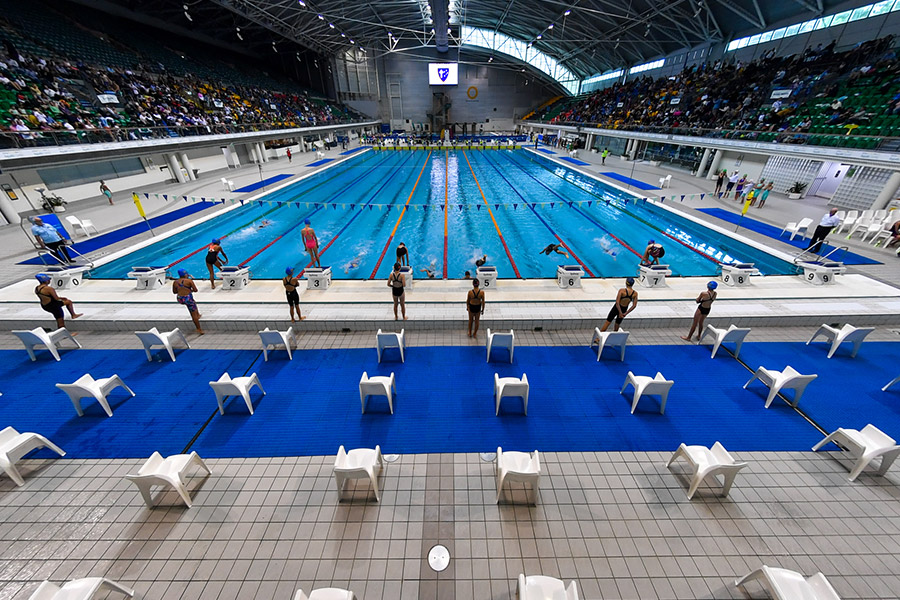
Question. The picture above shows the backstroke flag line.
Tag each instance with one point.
(140, 209)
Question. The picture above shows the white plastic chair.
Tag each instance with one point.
(884, 233)
(238, 386)
(665, 182)
(789, 379)
(98, 389)
(359, 463)
(157, 339)
(390, 339)
(85, 225)
(708, 462)
(326, 594)
(848, 221)
(377, 386)
(500, 340)
(795, 229)
(866, 446)
(847, 333)
(878, 228)
(77, 589)
(785, 584)
(866, 218)
(650, 386)
(38, 337)
(523, 467)
(15, 445)
(511, 387)
(609, 339)
(541, 587)
(168, 472)
(228, 185)
(720, 336)
(273, 339)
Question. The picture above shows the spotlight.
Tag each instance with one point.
(321, 18)
(567, 13)
(301, 3)
(551, 26)
(343, 35)
(238, 33)
(352, 42)
(491, 59)
(540, 36)
(274, 48)
(331, 25)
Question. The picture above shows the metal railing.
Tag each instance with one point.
(63, 137)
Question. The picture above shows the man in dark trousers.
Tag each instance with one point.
(828, 222)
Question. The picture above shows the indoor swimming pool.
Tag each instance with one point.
(450, 208)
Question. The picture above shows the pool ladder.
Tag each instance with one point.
(800, 257)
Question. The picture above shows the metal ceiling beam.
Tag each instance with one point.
(741, 12)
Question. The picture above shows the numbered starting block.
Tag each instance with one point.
(318, 278)
(738, 274)
(569, 276)
(148, 278)
(407, 273)
(486, 276)
(234, 278)
(822, 273)
(652, 276)
(63, 278)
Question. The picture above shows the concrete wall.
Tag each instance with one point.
(751, 164)
(503, 95)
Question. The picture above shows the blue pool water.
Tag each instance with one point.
(506, 204)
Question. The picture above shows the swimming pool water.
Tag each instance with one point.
(449, 208)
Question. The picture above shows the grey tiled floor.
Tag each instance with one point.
(617, 523)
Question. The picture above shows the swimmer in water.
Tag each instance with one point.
(265, 223)
(430, 270)
(554, 248)
(480, 261)
(607, 248)
(353, 264)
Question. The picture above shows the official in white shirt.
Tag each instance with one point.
(828, 222)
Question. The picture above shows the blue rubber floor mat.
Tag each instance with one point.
(261, 184)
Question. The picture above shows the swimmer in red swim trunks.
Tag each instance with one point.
(311, 243)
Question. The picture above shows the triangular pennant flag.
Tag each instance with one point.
(496, 207)
(185, 198)
(259, 202)
(165, 197)
(589, 203)
(662, 199)
(570, 204)
(279, 204)
(460, 207)
(352, 206)
(720, 194)
(297, 204)
(147, 196)
(581, 203)
(682, 197)
(552, 204)
(334, 206)
(202, 199)
(223, 200)
(701, 196)
(242, 202)
(477, 207)
(515, 206)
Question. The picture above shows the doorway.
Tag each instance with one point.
(828, 179)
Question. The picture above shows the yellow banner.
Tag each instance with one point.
(746, 206)
(137, 203)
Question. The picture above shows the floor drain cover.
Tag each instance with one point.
(438, 558)
(488, 456)
(390, 457)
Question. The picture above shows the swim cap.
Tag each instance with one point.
(651, 242)
(42, 277)
(712, 285)
(216, 240)
(396, 266)
(289, 271)
(630, 281)
(182, 273)
(306, 221)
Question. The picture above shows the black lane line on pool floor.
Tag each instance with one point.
(782, 396)
(212, 416)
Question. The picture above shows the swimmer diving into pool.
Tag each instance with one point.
(480, 261)
(554, 248)
(430, 270)
(652, 254)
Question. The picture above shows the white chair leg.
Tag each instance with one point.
(182, 491)
(374, 481)
(828, 438)
(54, 351)
(728, 477)
(773, 391)
(339, 482)
(147, 352)
(635, 399)
(887, 460)
(678, 453)
(246, 395)
(170, 350)
(737, 348)
(13, 473)
(144, 489)
(499, 488)
(105, 404)
(861, 463)
(752, 575)
(696, 479)
(117, 586)
(891, 383)
(715, 348)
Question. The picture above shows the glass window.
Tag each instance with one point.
(766, 37)
(754, 40)
(733, 45)
(807, 26)
(792, 30)
(841, 18)
(742, 43)
(896, 6)
(778, 33)
(880, 8)
(861, 13)
(824, 22)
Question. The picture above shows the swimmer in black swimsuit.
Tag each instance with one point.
(480, 262)
(704, 305)
(652, 254)
(626, 301)
(213, 260)
(402, 255)
(397, 282)
(554, 248)
(52, 303)
(291, 284)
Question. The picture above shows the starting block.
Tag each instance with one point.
(63, 278)
(486, 276)
(407, 273)
(569, 276)
(738, 274)
(148, 278)
(234, 278)
(653, 275)
(318, 278)
(821, 273)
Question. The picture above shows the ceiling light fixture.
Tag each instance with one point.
(331, 25)
(352, 42)
(238, 31)
(551, 26)
(321, 18)
(274, 48)
(567, 13)
(540, 36)
(301, 3)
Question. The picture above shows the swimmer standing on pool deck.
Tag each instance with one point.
(704, 305)
(626, 301)
(652, 254)
(311, 243)
(213, 260)
(184, 288)
(291, 284)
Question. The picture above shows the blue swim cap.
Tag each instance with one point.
(651, 242)
(289, 271)
(712, 285)
(216, 240)
(306, 221)
(42, 277)
(182, 273)
(630, 281)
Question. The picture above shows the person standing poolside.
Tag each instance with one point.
(720, 181)
(52, 303)
(291, 284)
(402, 255)
(397, 282)
(603, 156)
(652, 254)
(49, 239)
(104, 189)
(626, 301)
(731, 181)
(828, 222)
(213, 260)
(289, 155)
(764, 195)
(739, 187)
(475, 307)
(704, 305)
(184, 288)
(311, 243)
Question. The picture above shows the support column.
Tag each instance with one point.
(175, 168)
(714, 167)
(6, 208)
(188, 166)
(701, 170)
(589, 142)
(889, 192)
(251, 152)
(262, 152)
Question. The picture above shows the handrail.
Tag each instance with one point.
(820, 258)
